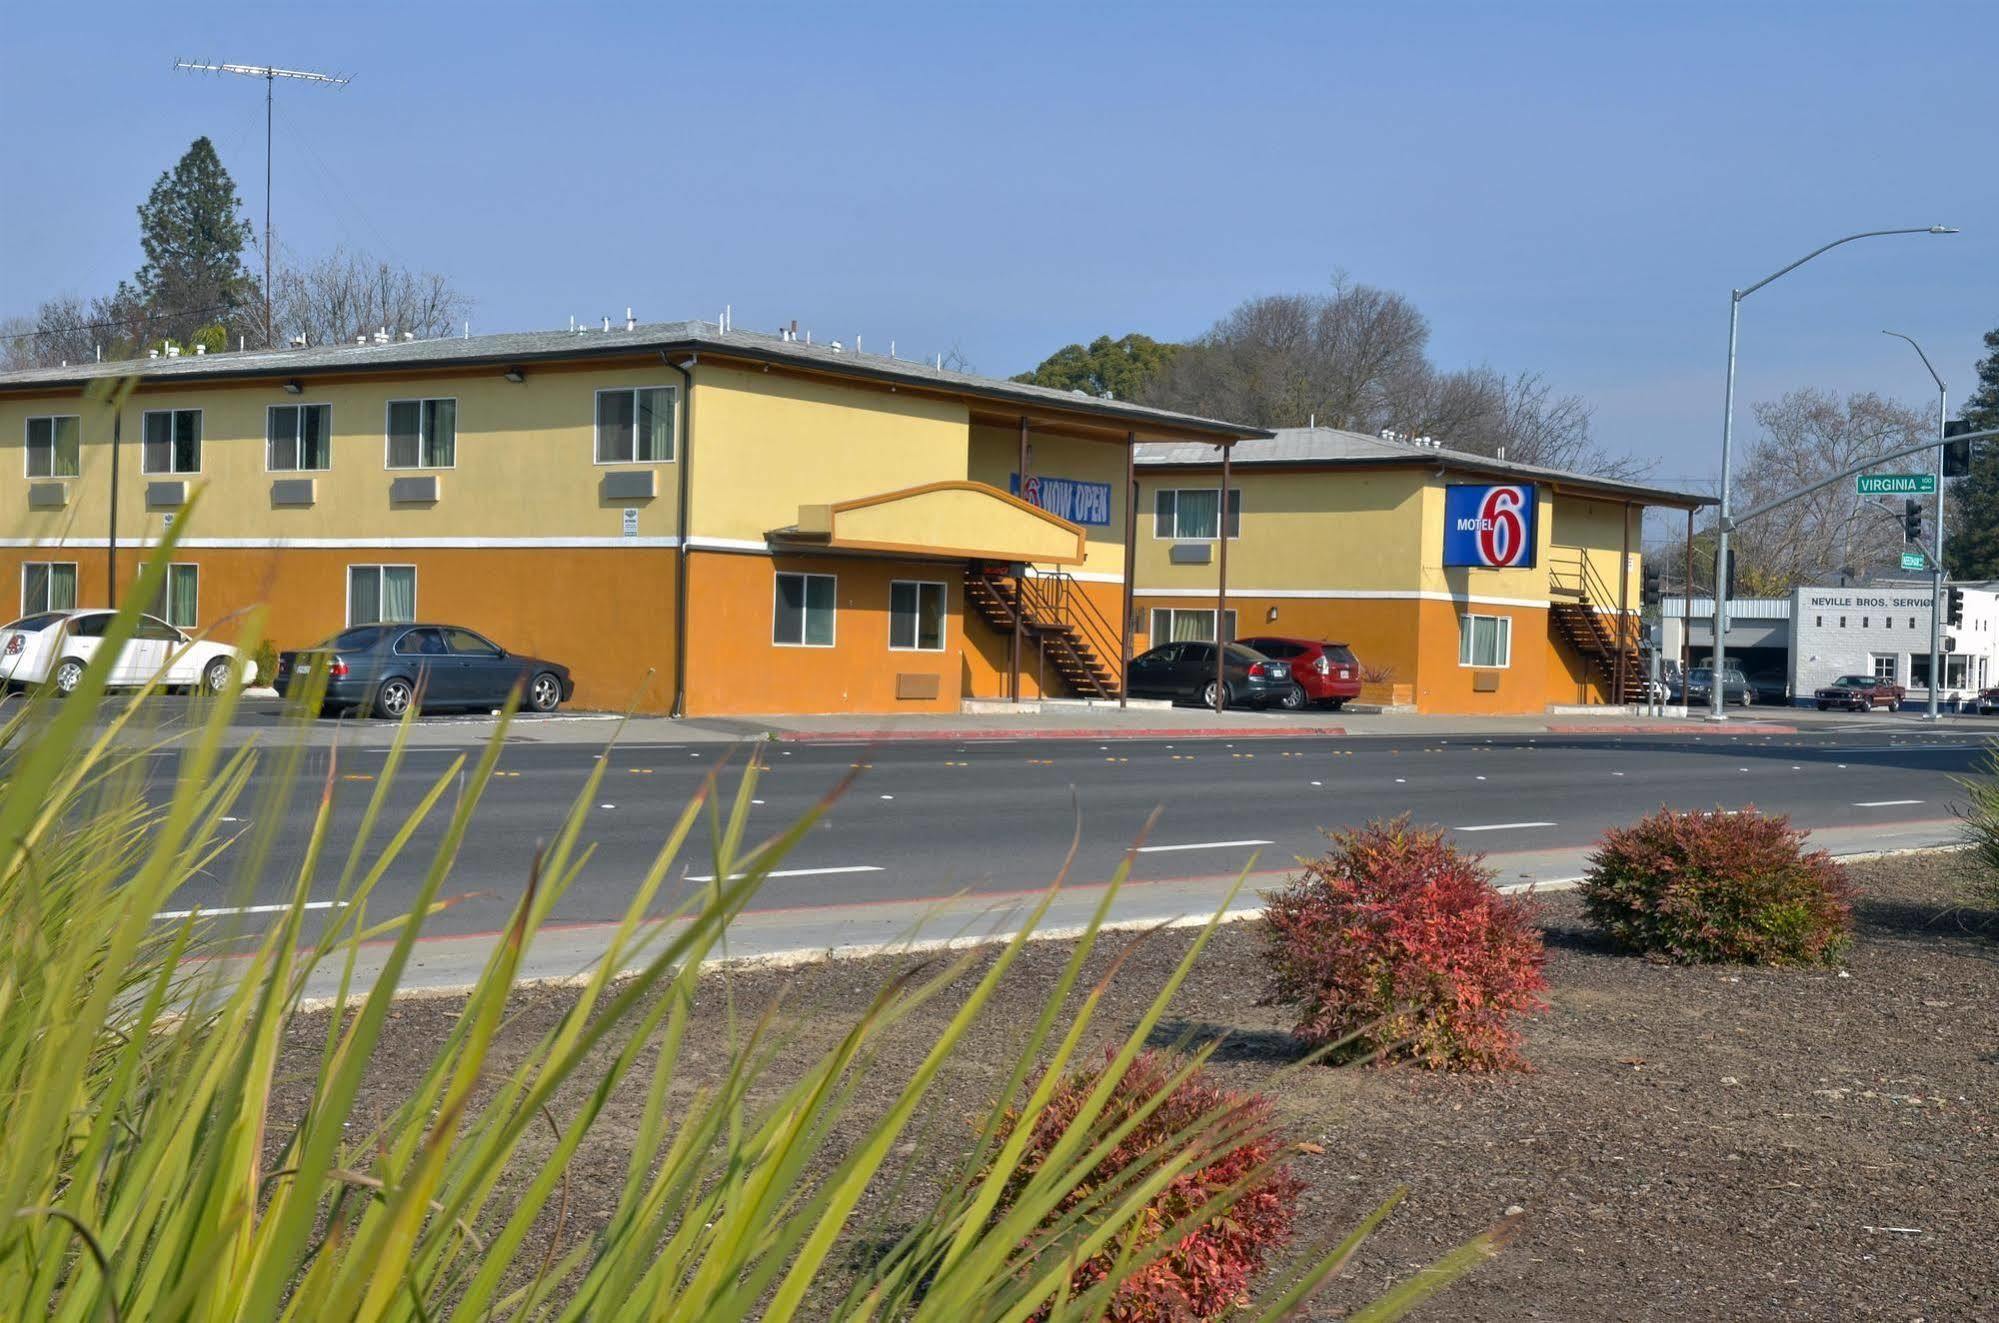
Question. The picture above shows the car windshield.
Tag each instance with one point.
(1856, 681)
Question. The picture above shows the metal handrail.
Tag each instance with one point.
(1055, 596)
(1594, 591)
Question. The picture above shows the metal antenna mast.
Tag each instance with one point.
(270, 74)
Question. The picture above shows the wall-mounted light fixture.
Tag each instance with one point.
(515, 375)
(1271, 614)
(293, 388)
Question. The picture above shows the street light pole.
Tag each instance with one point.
(1717, 688)
(1936, 560)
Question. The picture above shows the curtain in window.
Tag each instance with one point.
(183, 593)
(655, 425)
(1193, 627)
(819, 610)
(1163, 507)
(440, 428)
(398, 592)
(405, 434)
(34, 588)
(159, 444)
(62, 587)
(282, 436)
(614, 426)
(364, 595)
(187, 441)
(1482, 641)
(315, 436)
(1195, 513)
(930, 617)
(68, 447)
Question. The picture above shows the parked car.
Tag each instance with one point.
(1773, 689)
(1987, 702)
(1186, 672)
(1327, 674)
(1861, 693)
(384, 669)
(1698, 687)
(54, 647)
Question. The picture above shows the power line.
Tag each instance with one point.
(117, 322)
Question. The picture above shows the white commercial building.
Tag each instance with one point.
(1884, 630)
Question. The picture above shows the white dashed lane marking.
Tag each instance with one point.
(1198, 845)
(1885, 803)
(794, 872)
(221, 910)
(1504, 826)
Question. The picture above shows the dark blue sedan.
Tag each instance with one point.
(384, 670)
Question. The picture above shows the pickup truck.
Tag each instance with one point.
(1860, 693)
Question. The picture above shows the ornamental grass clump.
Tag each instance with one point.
(1980, 818)
(1155, 1105)
(1397, 943)
(1708, 887)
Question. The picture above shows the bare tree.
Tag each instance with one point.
(67, 329)
(346, 294)
(1518, 418)
(1808, 435)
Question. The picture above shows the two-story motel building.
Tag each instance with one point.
(708, 521)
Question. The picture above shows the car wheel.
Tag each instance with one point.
(393, 699)
(215, 678)
(1823, 706)
(1208, 696)
(545, 693)
(1293, 700)
(67, 675)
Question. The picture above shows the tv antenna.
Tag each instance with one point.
(270, 74)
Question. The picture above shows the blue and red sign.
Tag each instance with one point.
(1087, 503)
(1489, 526)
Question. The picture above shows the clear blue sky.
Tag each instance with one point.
(1566, 188)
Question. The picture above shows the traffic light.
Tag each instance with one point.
(1912, 520)
(1956, 454)
(1954, 609)
(1653, 587)
(1726, 578)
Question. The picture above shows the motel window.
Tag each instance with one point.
(423, 434)
(48, 586)
(1887, 666)
(916, 616)
(55, 447)
(1180, 624)
(635, 426)
(178, 601)
(299, 438)
(1188, 514)
(173, 441)
(803, 614)
(381, 594)
(1485, 641)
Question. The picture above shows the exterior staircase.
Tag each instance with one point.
(1060, 625)
(1583, 612)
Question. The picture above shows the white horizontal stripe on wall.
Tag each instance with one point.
(1342, 594)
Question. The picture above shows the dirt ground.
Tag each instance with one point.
(1692, 1143)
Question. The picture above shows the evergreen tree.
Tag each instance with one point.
(1122, 367)
(194, 234)
(1971, 544)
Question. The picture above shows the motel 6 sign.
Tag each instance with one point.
(1490, 526)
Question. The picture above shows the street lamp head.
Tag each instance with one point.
(1943, 229)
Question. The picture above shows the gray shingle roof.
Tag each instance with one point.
(530, 346)
(1322, 446)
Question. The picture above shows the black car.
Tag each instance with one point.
(383, 669)
(1735, 690)
(1187, 671)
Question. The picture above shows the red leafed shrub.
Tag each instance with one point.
(1207, 1272)
(1400, 941)
(1703, 887)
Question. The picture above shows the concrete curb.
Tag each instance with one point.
(1090, 733)
(1668, 727)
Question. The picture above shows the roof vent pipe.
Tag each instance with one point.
(200, 349)
(173, 351)
(607, 323)
(631, 322)
(152, 353)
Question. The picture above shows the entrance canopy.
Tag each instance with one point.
(966, 520)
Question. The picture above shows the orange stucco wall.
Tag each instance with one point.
(988, 656)
(606, 613)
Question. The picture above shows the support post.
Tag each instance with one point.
(1687, 614)
(1130, 567)
(1019, 574)
(1937, 663)
(1222, 592)
(111, 542)
(1718, 689)
(1618, 695)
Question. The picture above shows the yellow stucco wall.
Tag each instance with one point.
(969, 520)
(995, 457)
(525, 462)
(1301, 531)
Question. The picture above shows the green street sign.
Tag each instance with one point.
(1913, 560)
(1895, 484)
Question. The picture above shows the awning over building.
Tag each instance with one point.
(955, 519)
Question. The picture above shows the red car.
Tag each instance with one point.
(1327, 674)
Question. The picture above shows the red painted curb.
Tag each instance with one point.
(1159, 733)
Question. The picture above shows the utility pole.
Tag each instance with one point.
(1936, 558)
(270, 74)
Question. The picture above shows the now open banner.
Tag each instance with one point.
(1490, 526)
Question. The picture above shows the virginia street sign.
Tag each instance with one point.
(1895, 484)
(1913, 560)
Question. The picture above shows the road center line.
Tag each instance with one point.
(1885, 803)
(222, 910)
(793, 872)
(1504, 826)
(1199, 845)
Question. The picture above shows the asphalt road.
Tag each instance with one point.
(929, 819)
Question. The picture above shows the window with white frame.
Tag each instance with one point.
(1887, 666)
(802, 614)
(172, 441)
(178, 601)
(55, 446)
(48, 586)
(916, 616)
(1183, 624)
(1485, 641)
(299, 438)
(423, 434)
(1187, 514)
(381, 594)
(635, 425)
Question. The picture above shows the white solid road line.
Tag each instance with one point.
(1885, 803)
(1198, 845)
(222, 910)
(1504, 826)
(793, 872)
